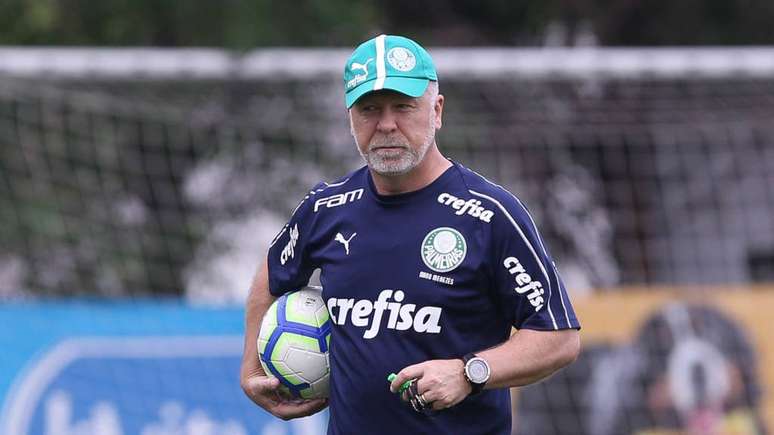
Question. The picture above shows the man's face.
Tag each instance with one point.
(394, 131)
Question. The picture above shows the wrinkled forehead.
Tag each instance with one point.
(385, 96)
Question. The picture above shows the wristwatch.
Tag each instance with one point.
(476, 371)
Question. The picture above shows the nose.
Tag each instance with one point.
(387, 122)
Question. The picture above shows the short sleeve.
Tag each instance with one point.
(526, 280)
(288, 257)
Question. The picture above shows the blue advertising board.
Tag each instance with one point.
(146, 368)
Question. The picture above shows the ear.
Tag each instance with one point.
(438, 108)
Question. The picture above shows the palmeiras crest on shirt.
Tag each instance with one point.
(443, 249)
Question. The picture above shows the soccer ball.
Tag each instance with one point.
(293, 343)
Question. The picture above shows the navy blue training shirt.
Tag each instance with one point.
(431, 274)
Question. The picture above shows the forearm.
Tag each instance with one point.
(258, 302)
(262, 389)
(529, 356)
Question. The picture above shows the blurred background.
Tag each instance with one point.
(150, 150)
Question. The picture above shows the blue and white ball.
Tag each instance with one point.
(293, 343)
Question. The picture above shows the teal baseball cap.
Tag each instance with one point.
(388, 62)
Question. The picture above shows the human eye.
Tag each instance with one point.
(367, 108)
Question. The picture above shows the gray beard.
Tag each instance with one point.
(396, 162)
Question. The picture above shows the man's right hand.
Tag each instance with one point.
(265, 392)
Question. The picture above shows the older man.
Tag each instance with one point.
(426, 266)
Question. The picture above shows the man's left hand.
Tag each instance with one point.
(441, 383)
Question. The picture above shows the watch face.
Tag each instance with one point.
(478, 370)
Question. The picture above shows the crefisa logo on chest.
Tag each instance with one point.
(472, 207)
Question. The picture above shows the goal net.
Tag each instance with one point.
(131, 172)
